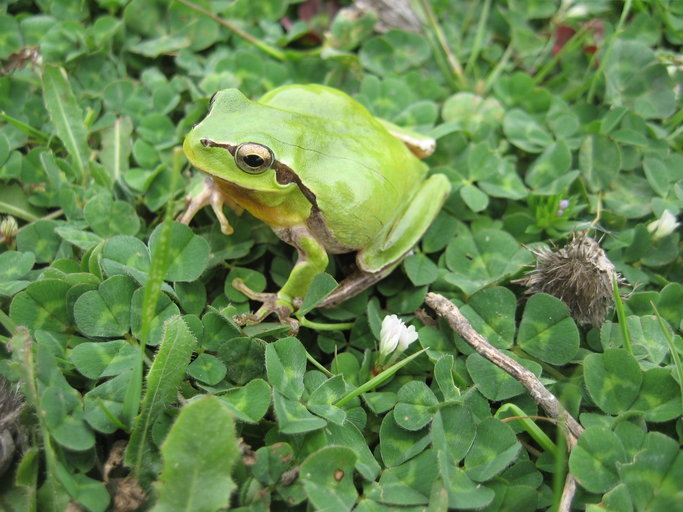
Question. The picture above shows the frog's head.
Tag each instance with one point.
(235, 143)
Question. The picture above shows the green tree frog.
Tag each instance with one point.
(324, 174)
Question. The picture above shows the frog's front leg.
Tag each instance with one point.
(211, 195)
(312, 261)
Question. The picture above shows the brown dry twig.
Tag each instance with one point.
(549, 402)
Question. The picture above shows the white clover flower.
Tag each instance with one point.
(408, 335)
(394, 335)
(663, 226)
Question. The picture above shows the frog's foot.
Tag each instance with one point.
(211, 195)
(272, 303)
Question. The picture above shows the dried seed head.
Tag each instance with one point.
(579, 274)
(12, 436)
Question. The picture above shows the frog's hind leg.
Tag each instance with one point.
(378, 259)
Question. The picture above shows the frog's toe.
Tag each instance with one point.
(271, 303)
(241, 287)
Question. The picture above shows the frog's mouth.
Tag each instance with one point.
(283, 173)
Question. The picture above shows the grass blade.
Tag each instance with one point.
(66, 115)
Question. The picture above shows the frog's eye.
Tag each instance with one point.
(253, 158)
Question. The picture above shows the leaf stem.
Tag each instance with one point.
(478, 37)
(622, 19)
(318, 326)
(270, 50)
(378, 379)
(320, 367)
(529, 425)
(672, 348)
(453, 62)
(621, 316)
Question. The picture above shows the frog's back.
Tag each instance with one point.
(313, 100)
(361, 175)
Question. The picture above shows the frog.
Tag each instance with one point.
(325, 175)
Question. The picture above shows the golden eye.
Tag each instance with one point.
(253, 158)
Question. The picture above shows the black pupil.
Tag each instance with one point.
(253, 160)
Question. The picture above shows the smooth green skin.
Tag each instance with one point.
(370, 192)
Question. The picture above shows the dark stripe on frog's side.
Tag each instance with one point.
(283, 173)
(315, 222)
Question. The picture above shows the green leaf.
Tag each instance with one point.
(109, 218)
(103, 405)
(82, 239)
(547, 331)
(463, 493)
(42, 305)
(162, 382)
(293, 417)
(395, 51)
(420, 269)
(653, 478)
(125, 255)
(525, 132)
(493, 382)
(40, 239)
(14, 201)
(397, 445)
(244, 358)
(272, 461)
(613, 379)
(63, 413)
(198, 454)
(250, 402)
(474, 198)
(165, 309)
(322, 397)
(207, 368)
(495, 447)
(453, 431)
(103, 359)
(188, 253)
(322, 285)
(599, 161)
(66, 115)
(491, 312)
(659, 397)
(407, 484)
(552, 164)
(106, 311)
(15, 265)
(595, 459)
(327, 476)
(415, 406)
(350, 436)
(479, 259)
(286, 364)
(443, 375)
(636, 79)
(116, 148)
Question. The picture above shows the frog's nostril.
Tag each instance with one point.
(204, 142)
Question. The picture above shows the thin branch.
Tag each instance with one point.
(539, 393)
(549, 402)
(567, 494)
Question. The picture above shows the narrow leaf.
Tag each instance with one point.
(164, 377)
(66, 115)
